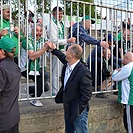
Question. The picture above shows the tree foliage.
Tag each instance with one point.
(23, 6)
(47, 7)
(88, 7)
(47, 4)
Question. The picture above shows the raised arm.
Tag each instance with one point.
(61, 56)
(83, 36)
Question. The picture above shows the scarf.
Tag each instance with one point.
(60, 30)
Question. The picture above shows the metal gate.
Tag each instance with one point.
(112, 21)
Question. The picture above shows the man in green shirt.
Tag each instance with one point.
(5, 23)
(35, 61)
(7, 30)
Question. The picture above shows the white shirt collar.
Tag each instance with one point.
(73, 65)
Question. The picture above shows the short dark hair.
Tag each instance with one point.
(57, 8)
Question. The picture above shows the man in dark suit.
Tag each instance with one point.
(76, 89)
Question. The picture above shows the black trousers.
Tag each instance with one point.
(39, 83)
(14, 129)
(128, 118)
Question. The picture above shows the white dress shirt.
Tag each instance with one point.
(68, 71)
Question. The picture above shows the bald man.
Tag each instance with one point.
(124, 76)
(76, 90)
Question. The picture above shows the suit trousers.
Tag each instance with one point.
(79, 125)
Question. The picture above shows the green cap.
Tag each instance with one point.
(87, 17)
(7, 44)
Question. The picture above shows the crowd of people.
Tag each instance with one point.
(77, 78)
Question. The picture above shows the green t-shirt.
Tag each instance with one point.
(31, 46)
(31, 42)
(6, 24)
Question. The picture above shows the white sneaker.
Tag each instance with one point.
(36, 103)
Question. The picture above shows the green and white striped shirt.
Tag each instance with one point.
(125, 83)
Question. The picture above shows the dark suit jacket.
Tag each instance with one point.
(78, 90)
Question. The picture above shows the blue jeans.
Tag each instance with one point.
(79, 125)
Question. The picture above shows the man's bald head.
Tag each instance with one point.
(128, 57)
(73, 53)
(76, 50)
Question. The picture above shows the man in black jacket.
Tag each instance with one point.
(76, 89)
(9, 87)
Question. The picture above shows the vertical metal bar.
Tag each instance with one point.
(65, 32)
(10, 17)
(95, 23)
(43, 56)
(51, 72)
(71, 18)
(78, 22)
(58, 43)
(117, 38)
(84, 28)
(120, 40)
(35, 48)
(27, 33)
(19, 41)
(90, 44)
(1, 14)
(131, 33)
(126, 16)
(112, 41)
(19, 32)
(95, 54)
(107, 39)
(101, 47)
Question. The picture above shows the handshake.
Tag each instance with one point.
(49, 46)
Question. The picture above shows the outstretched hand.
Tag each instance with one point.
(71, 40)
(104, 44)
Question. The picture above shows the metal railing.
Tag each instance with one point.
(110, 24)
